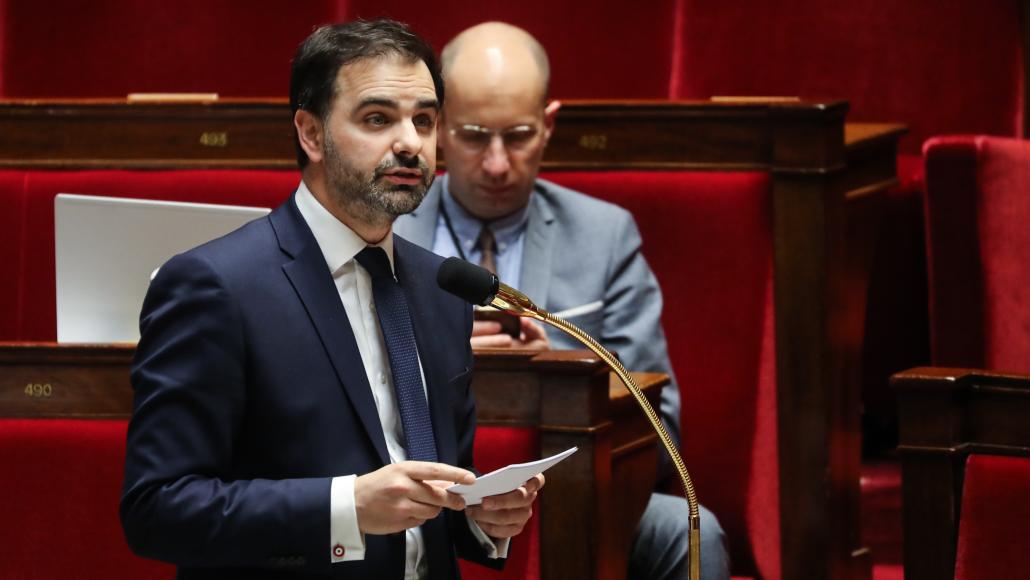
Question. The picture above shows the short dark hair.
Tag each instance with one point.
(320, 56)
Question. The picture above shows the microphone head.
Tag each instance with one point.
(467, 281)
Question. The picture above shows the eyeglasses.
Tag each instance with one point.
(476, 138)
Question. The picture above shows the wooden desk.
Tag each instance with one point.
(827, 177)
(945, 415)
(569, 396)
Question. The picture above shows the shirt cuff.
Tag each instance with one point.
(345, 539)
(494, 548)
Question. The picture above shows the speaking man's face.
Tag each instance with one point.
(380, 137)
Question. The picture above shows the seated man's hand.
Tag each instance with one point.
(488, 334)
(504, 516)
(405, 495)
(533, 335)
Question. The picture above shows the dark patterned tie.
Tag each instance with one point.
(392, 308)
(487, 246)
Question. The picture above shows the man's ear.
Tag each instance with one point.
(550, 115)
(310, 134)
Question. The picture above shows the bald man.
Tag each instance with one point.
(569, 252)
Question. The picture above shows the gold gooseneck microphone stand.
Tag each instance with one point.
(514, 302)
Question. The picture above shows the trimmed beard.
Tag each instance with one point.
(369, 198)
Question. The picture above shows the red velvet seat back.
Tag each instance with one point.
(495, 448)
(608, 69)
(891, 60)
(12, 247)
(109, 48)
(977, 210)
(59, 499)
(707, 236)
(995, 518)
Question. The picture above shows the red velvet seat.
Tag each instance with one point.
(890, 60)
(995, 518)
(231, 47)
(708, 238)
(12, 247)
(60, 502)
(59, 499)
(496, 447)
(977, 210)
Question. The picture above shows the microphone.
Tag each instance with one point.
(482, 288)
(479, 286)
(467, 281)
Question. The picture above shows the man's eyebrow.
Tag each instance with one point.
(428, 104)
(392, 104)
(378, 102)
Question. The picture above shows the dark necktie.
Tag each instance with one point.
(395, 321)
(487, 246)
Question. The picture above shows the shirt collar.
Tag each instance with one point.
(339, 243)
(467, 227)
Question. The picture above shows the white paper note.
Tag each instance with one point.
(506, 479)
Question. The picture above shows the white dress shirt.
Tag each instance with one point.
(339, 245)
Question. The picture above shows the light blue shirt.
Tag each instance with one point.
(509, 233)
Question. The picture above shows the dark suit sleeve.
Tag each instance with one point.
(180, 503)
(466, 544)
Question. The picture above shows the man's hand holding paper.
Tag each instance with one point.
(499, 503)
(504, 516)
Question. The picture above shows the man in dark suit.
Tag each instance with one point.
(301, 384)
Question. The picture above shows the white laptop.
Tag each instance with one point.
(108, 248)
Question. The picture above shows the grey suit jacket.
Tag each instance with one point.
(581, 250)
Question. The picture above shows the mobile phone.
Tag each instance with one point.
(509, 323)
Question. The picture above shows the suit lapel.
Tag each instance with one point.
(538, 249)
(314, 285)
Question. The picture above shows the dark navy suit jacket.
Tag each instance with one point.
(250, 395)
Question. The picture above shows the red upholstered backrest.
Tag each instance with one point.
(977, 211)
(904, 62)
(588, 57)
(239, 48)
(3, 40)
(59, 499)
(32, 313)
(496, 447)
(12, 247)
(708, 238)
(109, 48)
(995, 518)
